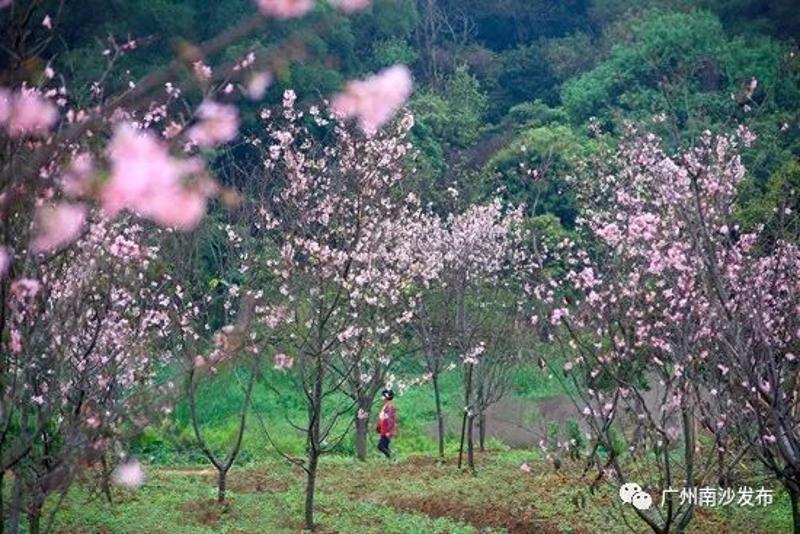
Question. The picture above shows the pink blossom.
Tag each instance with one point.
(257, 85)
(75, 181)
(201, 71)
(219, 123)
(130, 475)
(558, 314)
(58, 225)
(351, 6)
(643, 226)
(180, 208)
(26, 112)
(15, 343)
(282, 362)
(525, 468)
(25, 288)
(148, 181)
(5, 261)
(375, 100)
(610, 233)
(285, 9)
(47, 22)
(5, 104)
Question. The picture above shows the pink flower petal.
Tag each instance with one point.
(285, 9)
(58, 225)
(375, 100)
(130, 475)
(351, 6)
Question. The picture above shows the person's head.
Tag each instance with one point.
(388, 395)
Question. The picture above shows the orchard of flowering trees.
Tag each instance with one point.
(213, 228)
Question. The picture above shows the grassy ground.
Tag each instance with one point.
(415, 495)
(219, 402)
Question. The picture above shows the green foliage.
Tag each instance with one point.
(392, 51)
(777, 208)
(552, 151)
(569, 56)
(456, 114)
(779, 17)
(523, 74)
(680, 65)
(663, 50)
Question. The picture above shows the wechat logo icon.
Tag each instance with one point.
(631, 493)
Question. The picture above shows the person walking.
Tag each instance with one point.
(387, 423)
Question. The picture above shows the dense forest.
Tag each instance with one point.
(571, 252)
(557, 78)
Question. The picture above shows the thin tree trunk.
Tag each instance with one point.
(794, 498)
(689, 444)
(16, 505)
(467, 412)
(311, 481)
(34, 518)
(314, 451)
(362, 427)
(222, 484)
(2, 502)
(470, 444)
(482, 431)
(439, 417)
(221, 466)
(105, 479)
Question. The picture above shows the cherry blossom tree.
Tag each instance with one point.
(677, 322)
(332, 208)
(433, 327)
(474, 249)
(86, 340)
(221, 327)
(72, 173)
(505, 338)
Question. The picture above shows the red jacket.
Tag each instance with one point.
(387, 421)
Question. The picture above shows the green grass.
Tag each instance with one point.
(415, 495)
(220, 399)
(219, 402)
(418, 494)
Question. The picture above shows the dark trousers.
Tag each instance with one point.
(383, 446)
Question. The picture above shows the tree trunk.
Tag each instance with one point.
(467, 413)
(311, 481)
(34, 518)
(105, 479)
(222, 484)
(482, 431)
(16, 504)
(362, 428)
(794, 498)
(689, 445)
(470, 443)
(439, 417)
(313, 444)
(2, 502)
